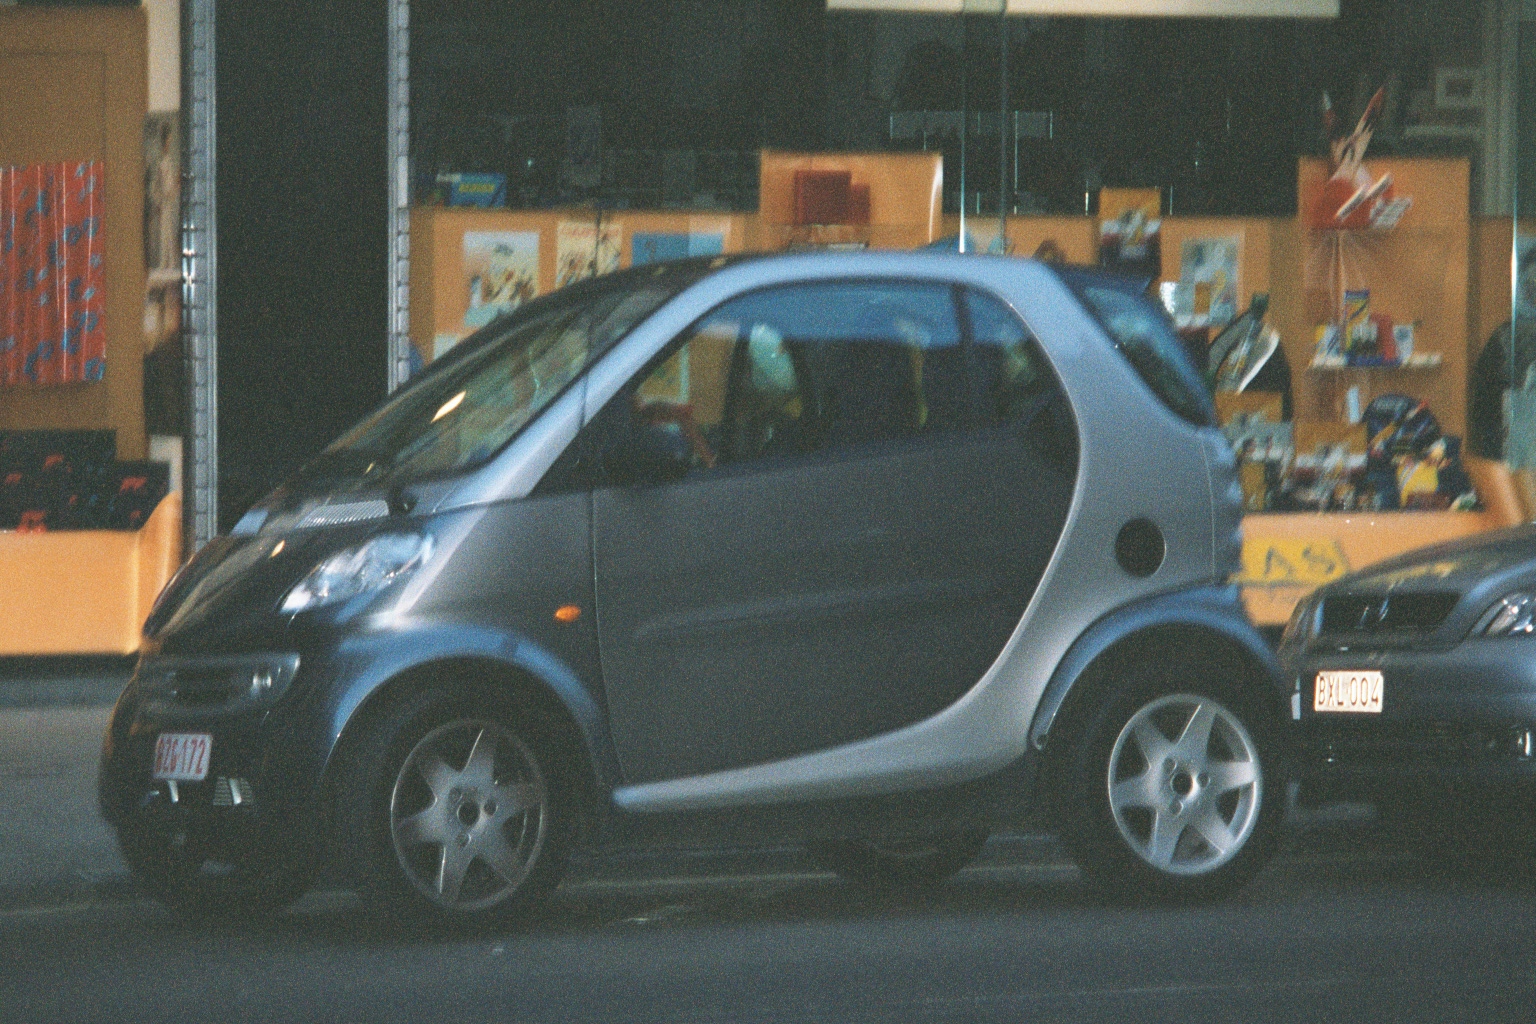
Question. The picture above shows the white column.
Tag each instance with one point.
(1501, 82)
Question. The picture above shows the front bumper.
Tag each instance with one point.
(1462, 718)
(248, 801)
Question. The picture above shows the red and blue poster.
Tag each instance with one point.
(51, 274)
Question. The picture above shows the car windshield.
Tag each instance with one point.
(468, 407)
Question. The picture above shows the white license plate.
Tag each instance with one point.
(1351, 690)
(182, 756)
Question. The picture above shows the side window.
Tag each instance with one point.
(1014, 383)
(792, 371)
(848, 364)
(678, 407)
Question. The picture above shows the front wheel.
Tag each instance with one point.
(453, 807)
(1173, 794)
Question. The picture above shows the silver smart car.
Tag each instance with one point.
(876, 553)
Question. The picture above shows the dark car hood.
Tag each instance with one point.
(1477, 571)
(226, 599)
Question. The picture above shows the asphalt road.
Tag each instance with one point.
(1318, 938)
(1344, 926)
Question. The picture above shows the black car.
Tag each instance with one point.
(876, 553)
(1414, 681)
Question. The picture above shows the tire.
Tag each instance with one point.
(1172, 792)
(178, 874)
(906, 865)
(454, 808)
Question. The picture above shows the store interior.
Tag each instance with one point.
(1356, 279)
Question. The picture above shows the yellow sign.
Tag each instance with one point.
(1284, 562)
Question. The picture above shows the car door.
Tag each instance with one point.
(821, 518)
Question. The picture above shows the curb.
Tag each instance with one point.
(80, 681)
(93, 692)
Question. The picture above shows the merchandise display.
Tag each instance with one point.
(1248, 355)
(1396, 460)
(1351, 199)
(1206, 292)
(1131, 244)
(829, 197)
(52, 274)
(69, 480)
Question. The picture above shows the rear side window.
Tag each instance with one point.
(1143, 334)
(1014, 385)
(850, 363)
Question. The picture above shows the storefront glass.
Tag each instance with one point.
(1519, 336)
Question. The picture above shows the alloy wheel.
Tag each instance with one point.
(1185, 784)
(469, 815)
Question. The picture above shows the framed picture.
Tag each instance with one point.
(1458, 88)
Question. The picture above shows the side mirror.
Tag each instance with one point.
(649, 456)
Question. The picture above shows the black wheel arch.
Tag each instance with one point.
(1205, 626)
(567, 715)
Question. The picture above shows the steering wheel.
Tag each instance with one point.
(654, 414)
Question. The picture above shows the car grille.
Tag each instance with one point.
(232, 792)
(1400, 614)
(207, 687)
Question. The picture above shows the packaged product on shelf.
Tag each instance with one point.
(1359, 334)
(1247, 356)
(71, 480)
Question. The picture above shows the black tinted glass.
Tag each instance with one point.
(1144, 335)
(874, 361)
(1014, 383)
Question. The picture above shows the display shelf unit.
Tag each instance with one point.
(1419, 362)
(1417, 272)
(85, 591)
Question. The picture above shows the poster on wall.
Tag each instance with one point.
(655, 246)
(501, 272)
(51, 274)
(586, 249)
(162, 191)
(164, 368)
(1207, 289)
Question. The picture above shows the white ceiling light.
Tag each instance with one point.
(1106, 8)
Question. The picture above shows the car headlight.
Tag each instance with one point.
(1511, 616)
(370, 566)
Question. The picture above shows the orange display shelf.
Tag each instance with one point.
(1288, 555)
(86, 591)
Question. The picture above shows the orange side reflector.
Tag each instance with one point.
(568, 613)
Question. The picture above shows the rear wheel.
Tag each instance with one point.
(454, 808)
(1171, 794)
(900, 864)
